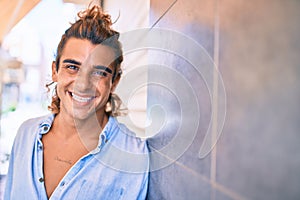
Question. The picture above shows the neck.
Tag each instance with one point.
(89, 128)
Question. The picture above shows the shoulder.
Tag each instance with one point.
(31, 126)
(37, 122)
(27, 135)
(123, 150)
(127, 139)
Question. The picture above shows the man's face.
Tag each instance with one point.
(84, 78)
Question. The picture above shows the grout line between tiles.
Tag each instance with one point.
(213, 165)
(214, 184)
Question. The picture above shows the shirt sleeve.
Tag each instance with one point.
(10, 174)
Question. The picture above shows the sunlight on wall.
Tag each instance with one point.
(129, 16)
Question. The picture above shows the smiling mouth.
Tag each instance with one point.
(81, 99)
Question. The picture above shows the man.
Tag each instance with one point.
(80, 151)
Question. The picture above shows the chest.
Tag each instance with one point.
(58, 157)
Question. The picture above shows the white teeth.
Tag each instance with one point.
(81, 99)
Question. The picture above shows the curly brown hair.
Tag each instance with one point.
(94, 25)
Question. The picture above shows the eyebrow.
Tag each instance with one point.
(71, 61)
(103, 68)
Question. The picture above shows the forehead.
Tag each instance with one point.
(84, 51)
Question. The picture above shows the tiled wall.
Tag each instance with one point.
(255, 45)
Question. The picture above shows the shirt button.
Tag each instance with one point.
(46, 128)
(41, 180)
(62, 184)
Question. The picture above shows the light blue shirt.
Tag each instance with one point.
(116, 169)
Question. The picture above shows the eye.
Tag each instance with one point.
(72, 67)
(100, 73)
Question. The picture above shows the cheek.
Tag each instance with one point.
(104, 89)
(59, 89)
(103, 85)
(64, 80)
(62, 83)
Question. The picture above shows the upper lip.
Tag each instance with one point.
(82, 95)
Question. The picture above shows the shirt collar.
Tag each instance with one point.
(109, 128)
(45, 125)
(104, 136)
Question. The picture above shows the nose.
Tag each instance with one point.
(82, 82)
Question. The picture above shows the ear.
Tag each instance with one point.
(115, 83)
(54, 72)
